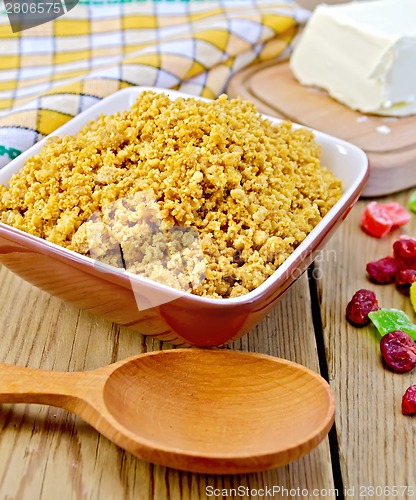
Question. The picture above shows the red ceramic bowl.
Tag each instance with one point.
(152, 308)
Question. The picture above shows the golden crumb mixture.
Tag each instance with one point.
(209, 188)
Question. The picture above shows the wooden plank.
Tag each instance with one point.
(48, 453)
(376, 442)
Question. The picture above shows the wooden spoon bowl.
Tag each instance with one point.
(207, 411)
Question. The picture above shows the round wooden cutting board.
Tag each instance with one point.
(390, 143)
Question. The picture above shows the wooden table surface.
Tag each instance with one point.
(47, 453)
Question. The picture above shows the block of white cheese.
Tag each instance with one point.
(363, 53)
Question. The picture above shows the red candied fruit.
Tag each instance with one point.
(375, 221)
(405, 277)
(404, 251)
(378, 219)
(363, 301)
(383, 270)
(399, 351)
(409, 401)
(397, 213)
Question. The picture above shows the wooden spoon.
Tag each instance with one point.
(208, 411)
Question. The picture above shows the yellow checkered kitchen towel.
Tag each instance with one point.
(52, 72)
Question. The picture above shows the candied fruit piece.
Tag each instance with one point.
(383, 270)
(363, 301)
(409, 401)
(397, 213)
(399, 351)
(375, 221)
(413, 295)
(404, 250)
(406, 277)
(388, 320)
(412, 202)
(378, 219)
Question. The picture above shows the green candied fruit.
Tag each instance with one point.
(412, 202)
(389, 320)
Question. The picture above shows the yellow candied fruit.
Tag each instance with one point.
(413, 295)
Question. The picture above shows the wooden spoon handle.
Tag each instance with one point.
(27, 385)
